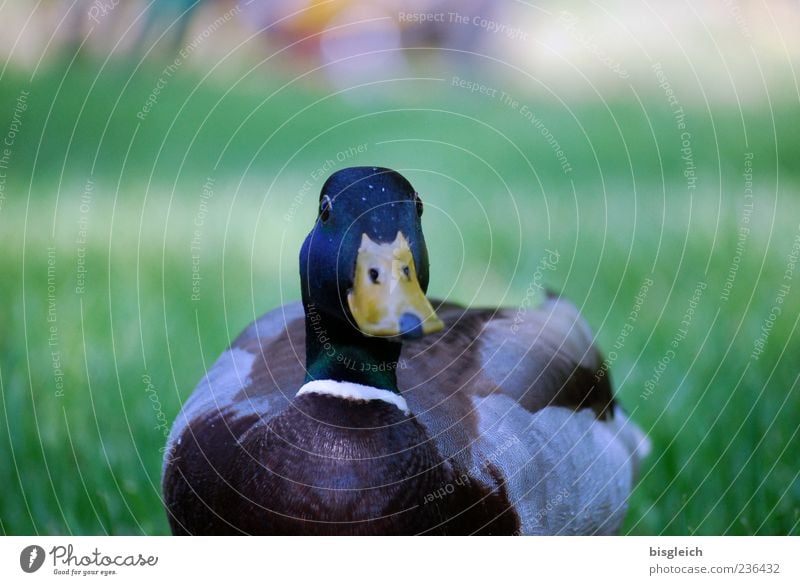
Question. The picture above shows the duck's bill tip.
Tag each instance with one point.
(386, 299)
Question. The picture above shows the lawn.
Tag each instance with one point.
(135, 247)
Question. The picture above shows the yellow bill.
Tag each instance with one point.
(386, 298)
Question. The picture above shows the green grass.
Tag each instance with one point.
(723, 425)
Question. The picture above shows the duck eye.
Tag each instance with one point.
(418, 203)
(406, 272)
(325, 206)
(373, 275)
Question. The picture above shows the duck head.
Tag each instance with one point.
(364, 265)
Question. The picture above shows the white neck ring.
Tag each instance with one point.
(353, 391)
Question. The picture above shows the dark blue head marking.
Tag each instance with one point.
(375, 201)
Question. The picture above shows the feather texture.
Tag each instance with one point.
(510, 411)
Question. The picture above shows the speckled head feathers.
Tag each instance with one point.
(375, 201)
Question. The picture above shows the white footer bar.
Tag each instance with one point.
(410, 561)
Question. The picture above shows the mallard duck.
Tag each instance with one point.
(369, 409)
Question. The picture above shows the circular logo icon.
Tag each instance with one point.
(31, 558)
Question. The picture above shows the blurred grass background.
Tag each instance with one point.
(85, 457)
